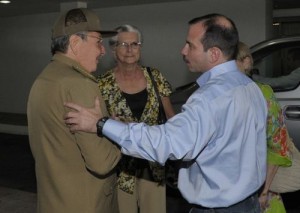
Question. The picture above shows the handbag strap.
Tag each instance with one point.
(161, 109)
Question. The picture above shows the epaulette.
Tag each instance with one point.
(85, 73)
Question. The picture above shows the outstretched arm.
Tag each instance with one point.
(81, 118)
(282, 82)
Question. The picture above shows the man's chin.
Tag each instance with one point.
(192, 69)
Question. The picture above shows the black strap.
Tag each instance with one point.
(162, 115)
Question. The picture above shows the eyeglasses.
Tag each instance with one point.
(100, 39)
(133, 45)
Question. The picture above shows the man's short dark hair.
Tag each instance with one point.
(224, 37)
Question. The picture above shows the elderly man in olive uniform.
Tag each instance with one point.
(75, 171)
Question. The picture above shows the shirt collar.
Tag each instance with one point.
(75, 66)
(217, 70)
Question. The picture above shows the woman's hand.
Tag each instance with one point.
(263, 200)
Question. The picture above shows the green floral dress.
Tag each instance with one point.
(277, 143)
(116, 104)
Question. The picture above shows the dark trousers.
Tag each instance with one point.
(248, 205)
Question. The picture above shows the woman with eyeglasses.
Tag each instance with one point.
(129, 92)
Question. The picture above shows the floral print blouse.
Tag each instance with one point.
(116, 104)
(277, 144)
(277, 134)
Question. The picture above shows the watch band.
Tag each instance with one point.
(100, 125)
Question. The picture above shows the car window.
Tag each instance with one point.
(280, 67)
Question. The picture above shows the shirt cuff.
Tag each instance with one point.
(113, 129)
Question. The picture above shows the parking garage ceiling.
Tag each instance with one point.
(27, 7)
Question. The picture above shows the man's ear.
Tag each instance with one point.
(74, 42)
(214, 54)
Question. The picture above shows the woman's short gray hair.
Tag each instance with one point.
(125, 28)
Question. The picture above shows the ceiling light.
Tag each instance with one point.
(4, 2)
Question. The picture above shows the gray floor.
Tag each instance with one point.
(17, 178)
(17, 201)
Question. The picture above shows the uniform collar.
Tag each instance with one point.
(75, 66)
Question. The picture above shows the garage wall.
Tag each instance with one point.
(25, 40)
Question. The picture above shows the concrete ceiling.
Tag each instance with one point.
(27, 7)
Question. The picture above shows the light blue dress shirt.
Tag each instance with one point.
(220, 134)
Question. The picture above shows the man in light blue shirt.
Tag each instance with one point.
(220, 134)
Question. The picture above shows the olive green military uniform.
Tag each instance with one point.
(75, 172)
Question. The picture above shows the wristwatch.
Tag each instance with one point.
(100, 125)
